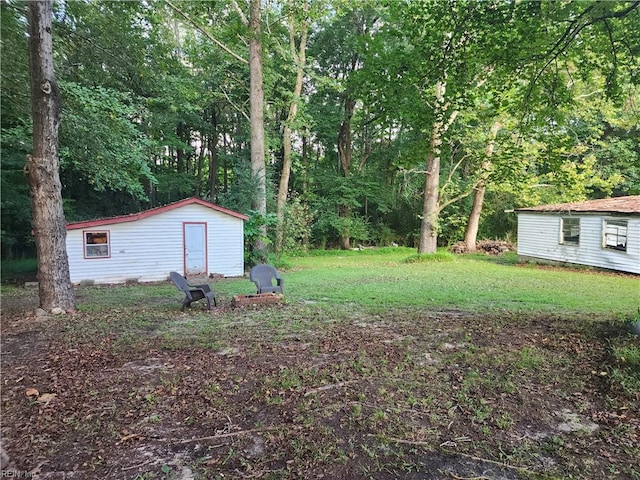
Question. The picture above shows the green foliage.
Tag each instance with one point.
(239, 195)
(17, 239)
(255, 230)
(12, 269)
(297, 225)
(154, 111)
(15, 140)
(100, 141)
(172, 186)
(628, 356)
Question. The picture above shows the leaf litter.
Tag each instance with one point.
(412, 394)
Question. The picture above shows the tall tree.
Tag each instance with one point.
(42, 165)
(298, 55)
(339, 55)
(434, 54)
(471, 232)
(256, 100)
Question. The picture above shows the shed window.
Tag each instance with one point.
(615, 234)
(570, 231)
(96, 244)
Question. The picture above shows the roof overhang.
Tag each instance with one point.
(151, 212)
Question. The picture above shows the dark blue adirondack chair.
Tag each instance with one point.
(193, 293)
(264, 277)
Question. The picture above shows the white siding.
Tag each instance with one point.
(539, 237)
(148, 249)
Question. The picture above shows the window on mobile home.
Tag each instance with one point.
(615, 235)
(570, 231)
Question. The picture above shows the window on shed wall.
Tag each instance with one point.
(615, 234)
(96, 245)
(570, 231)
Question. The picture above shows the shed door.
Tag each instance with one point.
(195, 248)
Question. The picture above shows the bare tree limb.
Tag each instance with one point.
(444, 205)
(243, 17)
(226, 435)
(235, 107)
(208, 35)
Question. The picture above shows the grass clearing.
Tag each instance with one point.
(474, 283)
(372, 368)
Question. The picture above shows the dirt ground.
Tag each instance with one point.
(401, 394)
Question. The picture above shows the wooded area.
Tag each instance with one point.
(381, 122)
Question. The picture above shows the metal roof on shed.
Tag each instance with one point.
(153, 211)
(622, 205)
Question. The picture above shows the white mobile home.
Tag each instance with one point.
(192, 236)
(598, 233)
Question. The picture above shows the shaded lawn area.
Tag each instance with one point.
(372, 368)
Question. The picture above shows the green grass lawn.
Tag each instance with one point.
(375, 280)
(472, 283)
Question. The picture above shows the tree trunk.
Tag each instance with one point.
(304, 174)
(42, 167)
(299, 56)
(256, 99)
(345, 148)
(225, 166)
(471, 232)
(431, 201)
(200, 166)
(344, 137)
(213, 159)
(180, 156)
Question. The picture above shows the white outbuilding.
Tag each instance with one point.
(191, 236)
(598, 233)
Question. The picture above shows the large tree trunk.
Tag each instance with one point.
(345, 148)
(256, 99)
(42, 166)
(299, 56)
(471, 232)
(431, 201)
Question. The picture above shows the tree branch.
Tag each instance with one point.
(570, 34)
(458, 197)
(208, 35)
(237, 108)
(243, 17)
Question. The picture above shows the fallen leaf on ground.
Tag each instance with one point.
(46, 397)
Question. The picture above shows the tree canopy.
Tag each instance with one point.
(376, 115)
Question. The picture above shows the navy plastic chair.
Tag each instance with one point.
(264, 277)
(193, 293)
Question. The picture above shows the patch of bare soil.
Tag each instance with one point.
(412, 395)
